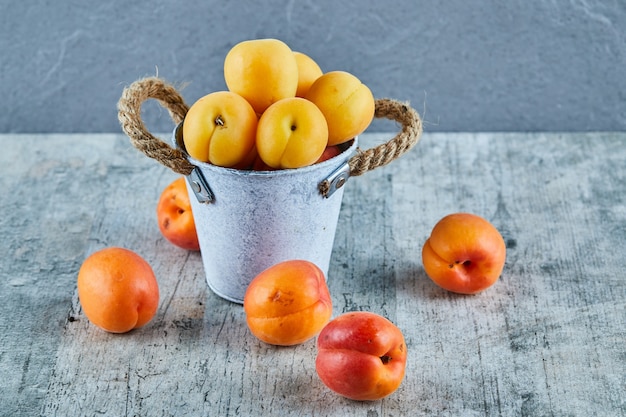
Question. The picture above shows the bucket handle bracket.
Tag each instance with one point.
(335, 180)
(200, 187)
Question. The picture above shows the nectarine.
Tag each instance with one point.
(361, 356)
(329, 152)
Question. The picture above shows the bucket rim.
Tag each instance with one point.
(348, 149)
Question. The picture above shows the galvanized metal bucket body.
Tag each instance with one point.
(248, 221)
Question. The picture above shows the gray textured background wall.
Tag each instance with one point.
(493, 65)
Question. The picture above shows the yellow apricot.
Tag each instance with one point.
(262, 71)
(220, 128)
(291, 133)
(308, 72)
(347, 104)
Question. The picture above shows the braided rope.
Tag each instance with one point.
(129, 115)
(382, 154)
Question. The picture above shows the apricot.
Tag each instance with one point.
(347, 104)
(465, 253)
(248, 162)
(288, 303)
(259, 165)
(117, 290)
(308, 72)
(291, 133)
(220, 128)
(329, 152)
(175, 217)
(262, 71)
(361, 356)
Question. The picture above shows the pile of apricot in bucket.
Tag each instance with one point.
(280, 111)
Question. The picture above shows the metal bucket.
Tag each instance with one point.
(248, 221)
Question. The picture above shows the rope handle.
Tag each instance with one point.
(129, 115)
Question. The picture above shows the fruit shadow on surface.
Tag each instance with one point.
(415, 284)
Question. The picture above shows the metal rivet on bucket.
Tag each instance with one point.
(337, 179)
(200, 187)
(197, 182)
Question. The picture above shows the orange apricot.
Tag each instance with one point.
(465, 253)
(288, 303)
(117, 290)
(175, 218)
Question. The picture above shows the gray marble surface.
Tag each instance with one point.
(548, 339)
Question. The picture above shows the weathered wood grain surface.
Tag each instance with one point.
(549, 339)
